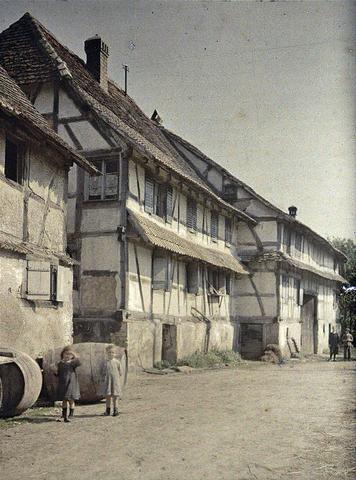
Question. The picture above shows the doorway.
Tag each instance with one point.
(309, 331)
(251, 340)
(169, 343)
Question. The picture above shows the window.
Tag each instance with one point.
(214, 226)
(287, 239)
(298, 243)
(193, 283)
(191, 214)
(285, 280)
(158, 199)
(104, 186)
(162, 272)
(45, 281)
(228, 231)
(228, 284)
(218, 282)
(14, 160)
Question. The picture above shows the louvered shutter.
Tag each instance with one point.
(192, 214)
(169, 204)
(159, 274)
(214, 225)
(149, 194)
(38, 280)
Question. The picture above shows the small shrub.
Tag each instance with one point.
(162, 365)
(213, 358)
(275, 349)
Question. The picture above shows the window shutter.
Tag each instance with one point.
(38, 280)
(149, 194)
(193, 278)
(61, 284)
(169, 204)
(95, 187)
(111, 179)
(222, 282)
(300, 294)
(214, 225)
(228, 231)
(192, 214)
(228, 284)
(159, 274)
(169, 282)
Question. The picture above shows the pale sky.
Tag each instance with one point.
(266, 89)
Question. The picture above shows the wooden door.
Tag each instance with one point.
(169, 343)
(309, 333)
(251, 341)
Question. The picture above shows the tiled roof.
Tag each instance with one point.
(13, 244)
(280, 214)
(164, 238)
(282, 257)
(14, 103)
(48, 58)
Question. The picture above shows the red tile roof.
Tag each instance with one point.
(14, 103)
(31, 54)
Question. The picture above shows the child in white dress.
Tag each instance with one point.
(112, 385)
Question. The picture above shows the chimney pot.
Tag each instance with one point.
(292, 211)
(97, 59)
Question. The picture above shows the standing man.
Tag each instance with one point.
(333, 344)
(347, 340)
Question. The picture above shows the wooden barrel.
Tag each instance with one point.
(90, 373)
(20, 382)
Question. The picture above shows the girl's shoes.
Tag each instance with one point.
(115, 413)
(65, 415)
(107, 412)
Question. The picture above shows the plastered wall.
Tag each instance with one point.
(31, 327)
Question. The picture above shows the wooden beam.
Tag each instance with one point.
(78, 118)
(72, 136)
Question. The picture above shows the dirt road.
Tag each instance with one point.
(294, 421)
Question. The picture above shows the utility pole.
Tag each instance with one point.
(126, 68)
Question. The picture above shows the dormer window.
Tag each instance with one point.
(14, 160)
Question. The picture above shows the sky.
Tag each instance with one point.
(265, 88)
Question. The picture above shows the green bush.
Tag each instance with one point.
(162, 365)
(213, 358)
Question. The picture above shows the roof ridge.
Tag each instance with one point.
(282, 215)
(57, 61)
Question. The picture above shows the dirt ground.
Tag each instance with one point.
(294, 421)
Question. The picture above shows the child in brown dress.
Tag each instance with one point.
(111, 387)
(68, 385)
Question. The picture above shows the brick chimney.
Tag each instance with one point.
(97, 59)
(292, 211)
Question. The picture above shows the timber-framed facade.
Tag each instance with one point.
(290, 296)
(162, 233)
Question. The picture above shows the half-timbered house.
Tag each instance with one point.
(156, 245)
(290, 296)
(35, 271)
